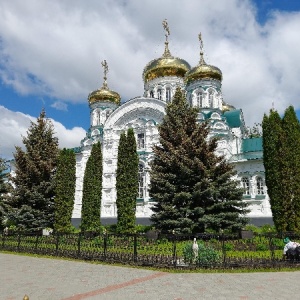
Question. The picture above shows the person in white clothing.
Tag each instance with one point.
(289, 245)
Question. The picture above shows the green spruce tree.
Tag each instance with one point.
(64, 190)
(192, 187)
(3, 192)
(32, 201)
(127, 182)
(92, 191)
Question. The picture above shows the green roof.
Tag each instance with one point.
(233, 118)
(252, 145)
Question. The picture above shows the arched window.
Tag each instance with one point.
(210, 99)
(199, 99)
(168, 94)
(151, 94)
(246, 185)
(98, 117)
(141, 181)
(159, 94)
(260, 186)
(141, 141)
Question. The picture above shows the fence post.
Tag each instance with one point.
(56, 243)
(19, 241)
(3, 240)
(174, 249)
(78, 244)
(104, 244)
(223, 248)
(135, 247)
(271, 247)
(36, 241)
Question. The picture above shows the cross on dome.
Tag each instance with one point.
(201, 62)
(105, 71)
(167, 52)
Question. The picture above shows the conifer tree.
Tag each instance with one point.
(291, 168)
(32, 200)
(3, 191)
(272, 139)
(281, 138)
(92, 191)
(64, 190)
(127, 182)
(192, 187)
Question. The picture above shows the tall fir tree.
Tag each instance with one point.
(32, 201)
(92, 191)
(192, 186)
(64, 190)
(127, 182)
(3, 192)
(291, 168)
(281, 138)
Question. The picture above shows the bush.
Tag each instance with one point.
(206, 254)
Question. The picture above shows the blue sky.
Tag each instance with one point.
(50, 55)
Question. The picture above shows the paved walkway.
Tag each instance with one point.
(56, 279)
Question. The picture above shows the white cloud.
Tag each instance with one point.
(60, 105)
(54, 48)
(14, 125)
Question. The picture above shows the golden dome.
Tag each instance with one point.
(104, 94)
(203, 70)
(227, 107)
(167, 65)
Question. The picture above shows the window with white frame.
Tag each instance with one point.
(159, 94)
(168, 94)
(199, 99)
(141, 179)
(246, 185)
(141, 140)
(210, 99)
(260, 186)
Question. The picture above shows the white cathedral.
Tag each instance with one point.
(203, 86)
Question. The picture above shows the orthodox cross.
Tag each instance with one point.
(105, 71)
(166, 28)
(167, 52)
(201, 49)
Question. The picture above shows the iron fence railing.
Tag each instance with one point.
(163, 250)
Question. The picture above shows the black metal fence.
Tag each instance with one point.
(168, 251)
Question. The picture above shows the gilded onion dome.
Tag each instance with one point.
(227, 107)
(203, 70)
(104, 94)
(166, 65)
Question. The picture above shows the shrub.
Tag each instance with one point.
(206, 254)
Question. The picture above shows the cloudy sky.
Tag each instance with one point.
(51, 53)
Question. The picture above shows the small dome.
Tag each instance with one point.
(227, 107)
(203, 71)
(104, 95)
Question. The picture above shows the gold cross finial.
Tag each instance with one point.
(167, 52)
(166, 28)
(105, 71)
(202, 62)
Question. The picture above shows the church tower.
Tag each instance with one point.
(162, 75)
(102, 103)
